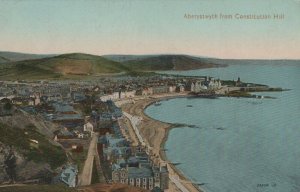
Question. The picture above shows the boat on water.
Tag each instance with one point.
(157, 103)
(259, 96)
(189, 105)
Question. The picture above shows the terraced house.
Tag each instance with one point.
(140, 171)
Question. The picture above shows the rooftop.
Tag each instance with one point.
(68, 175)
(143, 172)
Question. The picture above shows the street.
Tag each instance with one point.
(85, 177)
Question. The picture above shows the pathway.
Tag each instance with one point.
(85, 177)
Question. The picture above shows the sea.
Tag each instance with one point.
(238, 144)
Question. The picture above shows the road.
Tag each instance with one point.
(125, 122)
(134, 122)
(178, 184)
(85, 177)
(172, 176)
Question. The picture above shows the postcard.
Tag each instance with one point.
(174, 96)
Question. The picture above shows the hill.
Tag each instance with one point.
(3, 60)
(123, 58)
(62, 66)
(15, 56)
(169, 62)
(79, 65)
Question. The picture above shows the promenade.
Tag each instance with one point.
(181, 185)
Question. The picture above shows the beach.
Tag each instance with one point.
(155, 134)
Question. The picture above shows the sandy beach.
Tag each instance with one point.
(155, 134)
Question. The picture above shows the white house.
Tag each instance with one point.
(88, 127)
(172, 89)
(128, 94)
(114, 96)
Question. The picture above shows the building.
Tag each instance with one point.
(180, 88)
(140, 171)
(160, 89)
(147, 91)
(212, 84)
(127, 94)
(65, 115)
(88, 127)
(207, 84)
(172, 89)
(6, 107)
(68, 176)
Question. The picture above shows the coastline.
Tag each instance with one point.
(156, 133)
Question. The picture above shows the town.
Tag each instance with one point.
(102, 142)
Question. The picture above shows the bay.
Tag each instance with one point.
(238, 144)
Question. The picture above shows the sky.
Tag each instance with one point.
(152, 27)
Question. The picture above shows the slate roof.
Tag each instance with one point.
(68, 175)
(62, 107)
(143, 172)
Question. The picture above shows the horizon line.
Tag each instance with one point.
(150, 54)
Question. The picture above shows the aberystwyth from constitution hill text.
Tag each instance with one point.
(235, 29)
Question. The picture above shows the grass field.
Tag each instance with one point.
(43, 152)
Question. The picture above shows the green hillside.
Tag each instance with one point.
(79, 65)
(168, 62)
(15, 56)
(3, 60)
(62, 66)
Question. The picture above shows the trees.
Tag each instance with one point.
(7, 106)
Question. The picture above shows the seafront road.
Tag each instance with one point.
(85, 177)
(135, 120)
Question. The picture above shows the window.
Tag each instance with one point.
(138, 184)
(150, 186)
(150, 180)
(122, 180)
(144, 180)
(116, 176)
(131, 181)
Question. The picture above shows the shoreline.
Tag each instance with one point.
(161, 133)
(156, 132)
